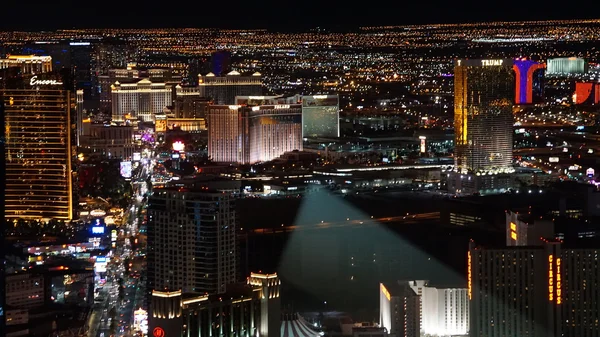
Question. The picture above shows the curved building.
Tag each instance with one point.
(524, 70)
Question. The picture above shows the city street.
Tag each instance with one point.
(123, 293)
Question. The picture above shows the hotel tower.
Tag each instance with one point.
(483, 126)
(39, 150)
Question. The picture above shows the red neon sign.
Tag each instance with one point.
(158, 332)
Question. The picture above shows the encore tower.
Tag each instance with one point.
(39, 150)
(483, 123)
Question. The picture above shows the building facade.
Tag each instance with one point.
(247, 135)
(223, 89)
(320, 116)
(399, 310)
(29, 64)
(140, 100)
(566, 66)
(443, 311)
(244, 310)
(25, 291)
(525, 79)
(40, 145)
(534, 291)
(483, 122)
(109, 140)
(525, 230)
(196, 229)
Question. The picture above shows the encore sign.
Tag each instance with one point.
(34, 81)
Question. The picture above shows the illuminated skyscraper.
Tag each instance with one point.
(251, 134)
(483, 125)
(320, 116)
(223, 89)
(39, 122)
(2, 232)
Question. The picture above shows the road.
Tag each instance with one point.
(396, 220)
(114, 316)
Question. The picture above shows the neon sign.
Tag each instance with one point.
(35, 81)
(158, 332)
(469, 274)
(551, 278)
(513, 231)
(491, 62)
(385, 292)
(558, 282)
(282, 107)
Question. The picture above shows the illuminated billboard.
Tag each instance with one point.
(125, 169)
(98, 230)
(100, 265)
(137, 156)
(320, 116)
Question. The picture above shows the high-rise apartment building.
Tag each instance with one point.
(251, 134)
(483, 100)
(39, 117)
(191, 240)
(141, 100)
(545, 290)
(443, 311)
(223, 89)
(320, 116)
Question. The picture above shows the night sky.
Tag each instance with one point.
(283, 15)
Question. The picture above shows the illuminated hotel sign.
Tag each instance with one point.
(513, 231)
(491, 62)
(385, 292)
(551, 278)
(558, 282)
(282, 107)
(35, 81)
(469, 275)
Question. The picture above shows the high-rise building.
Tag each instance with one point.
(567, 66)
(29, 64)
(399, 310)
(39, 119)
(2, 211)
(141, 100)
(81, 55)
(132, 74)
(545, 290)
(223, 89)
(320, 116)
(525, 79)
(251, 134)
(483, 123)
(191, 240)
(245, 309)
(526, 230)
(443, 311)
(80, 116)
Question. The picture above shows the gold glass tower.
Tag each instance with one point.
(483, 121)
(39, 151)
